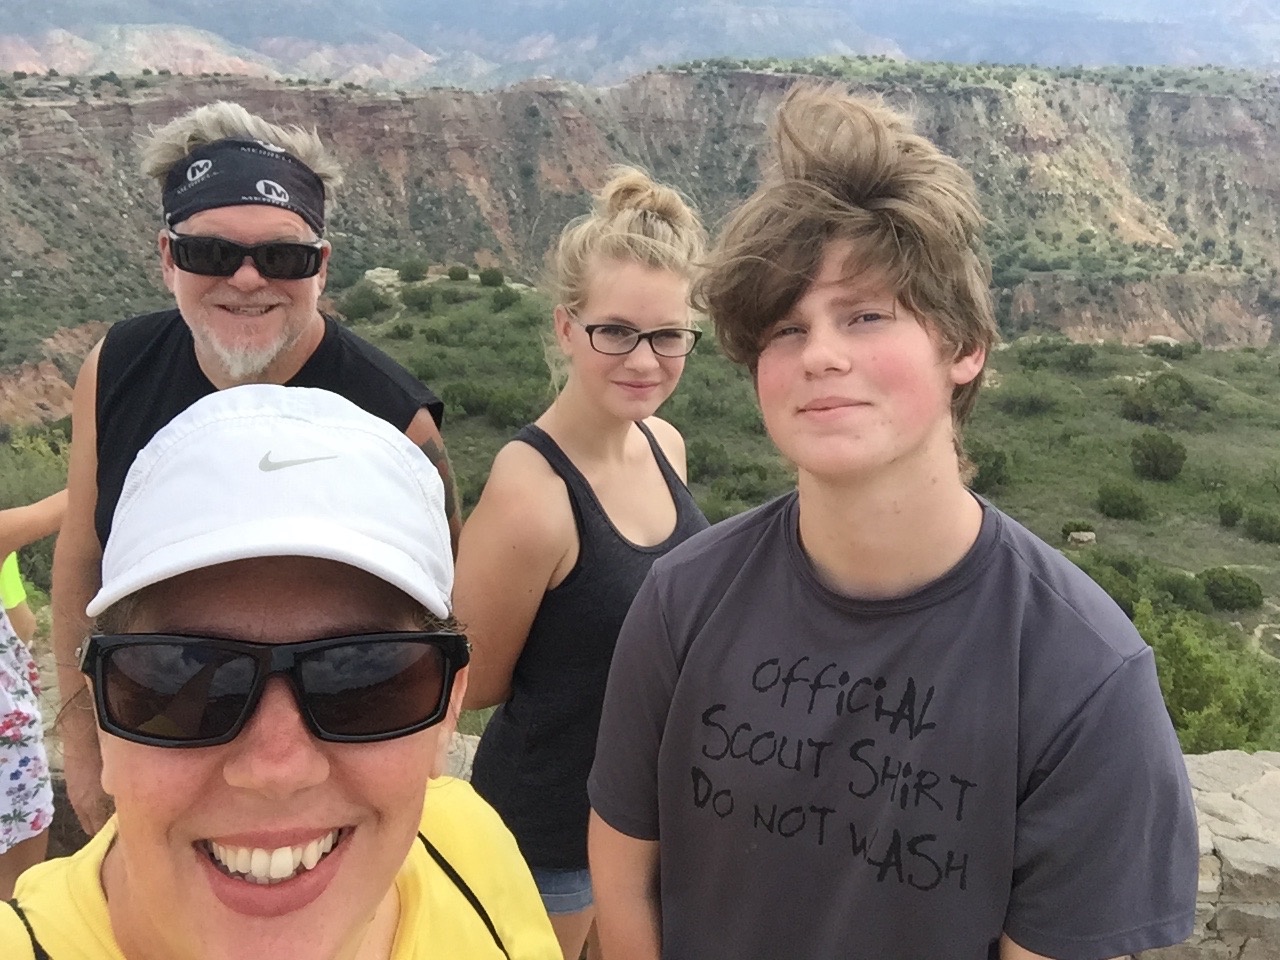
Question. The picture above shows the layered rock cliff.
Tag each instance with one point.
(1120, 208)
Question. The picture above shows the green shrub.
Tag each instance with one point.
(1229, 589)
(1122, 501)
(343, 273)
(1056, 353)
(465, 398)
(400, 331)
(1157, 456)
(707, 459)
(1165, 396)
(420, 298)
(1025, 401)
(991, 467)
(1183, 590)
(458, 294)
(746, 483)
(413, 269)
(363, 301)
(1230, 510)
(1118, 587)
(1076, 526)
(717, 508)
(1174, 351)
(504, 297)
(459, 273)
(1262, 525)
(1140, 406)
(1219, 697)
(490, 277)
(509, 407)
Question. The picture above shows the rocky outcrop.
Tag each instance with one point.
(36, 393)
(1214, 309)
(1238, 910)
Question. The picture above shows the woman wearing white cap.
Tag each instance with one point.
(275, 681)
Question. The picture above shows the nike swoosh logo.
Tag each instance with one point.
(266, 464)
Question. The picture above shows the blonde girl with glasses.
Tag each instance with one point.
(576, 509)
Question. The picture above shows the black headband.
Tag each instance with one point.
(228, 173)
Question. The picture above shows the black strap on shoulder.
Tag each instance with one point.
(463, 888)
(40, 952)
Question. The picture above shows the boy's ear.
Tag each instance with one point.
(965, 368)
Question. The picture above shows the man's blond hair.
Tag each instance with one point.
(169, 144)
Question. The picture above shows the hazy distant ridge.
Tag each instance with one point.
(398, 43)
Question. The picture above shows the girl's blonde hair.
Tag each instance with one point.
(635, 219)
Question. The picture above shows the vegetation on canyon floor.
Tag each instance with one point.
(1056, 425)
(1184, 440)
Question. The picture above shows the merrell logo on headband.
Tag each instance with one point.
(198, 170)
(273, 191)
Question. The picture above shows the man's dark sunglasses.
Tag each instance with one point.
(168, 690)
(218, 257)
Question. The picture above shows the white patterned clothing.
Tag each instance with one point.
(26, 797)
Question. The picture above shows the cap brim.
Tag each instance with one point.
(292, 537)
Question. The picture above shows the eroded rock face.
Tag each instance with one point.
(492, 177)
(41, 392)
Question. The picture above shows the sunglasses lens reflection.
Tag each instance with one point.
(393, 685)
(175, 691)
(216, 257)
(192, 691)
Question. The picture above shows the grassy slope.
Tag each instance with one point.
(1057, 458)
(1060, 457)
(488, 367)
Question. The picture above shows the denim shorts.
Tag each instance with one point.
(563, 891)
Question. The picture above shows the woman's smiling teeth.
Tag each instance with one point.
(271, 866)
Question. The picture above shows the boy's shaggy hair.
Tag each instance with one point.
(851, 169)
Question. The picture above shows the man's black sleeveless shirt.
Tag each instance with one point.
(148, 374)
(534, 757)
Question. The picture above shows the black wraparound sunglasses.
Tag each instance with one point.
(219, 257)
(169, 690)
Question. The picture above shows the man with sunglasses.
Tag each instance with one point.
(276, 677)
(243, 253)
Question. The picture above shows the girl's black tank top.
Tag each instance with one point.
(534, 757)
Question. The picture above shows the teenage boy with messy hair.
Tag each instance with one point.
(877, 717)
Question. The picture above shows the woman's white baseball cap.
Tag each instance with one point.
(271, 471)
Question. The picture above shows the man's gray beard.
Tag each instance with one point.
(246, 364)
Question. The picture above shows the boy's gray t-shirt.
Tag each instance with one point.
(901, 778)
